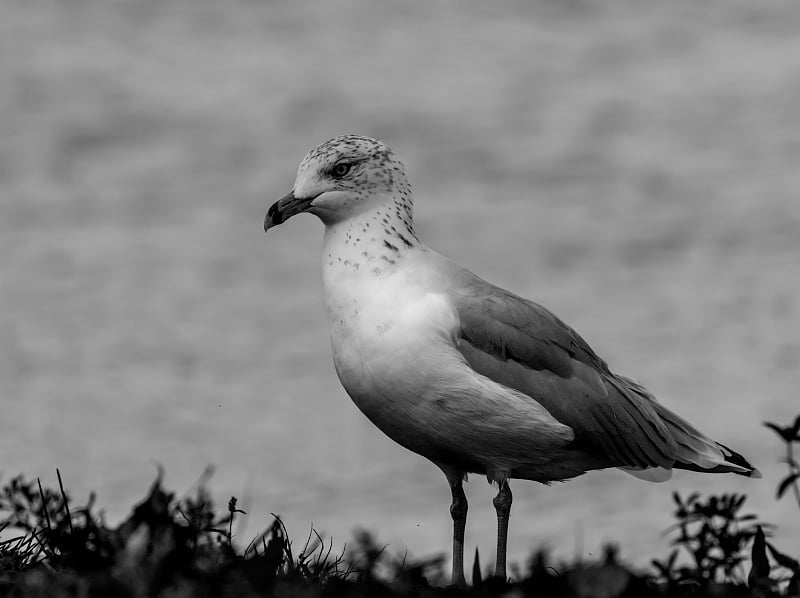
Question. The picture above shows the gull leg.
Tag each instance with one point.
(458, 511)
(502, 504)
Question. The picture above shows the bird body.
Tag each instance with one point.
(395, 350)
(462, 372)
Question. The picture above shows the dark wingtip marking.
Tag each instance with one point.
(731, 457)
(739, 460)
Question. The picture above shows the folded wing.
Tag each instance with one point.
(524, 346)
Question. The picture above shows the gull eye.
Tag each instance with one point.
(341, 169)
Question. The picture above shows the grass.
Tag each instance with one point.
(182, 546)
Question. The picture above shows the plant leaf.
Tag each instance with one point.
(787, 482)
(759, 573)
(476, 569)
(785, 433)
(784, 560)
(796, 428)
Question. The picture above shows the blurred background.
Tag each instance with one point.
(631, 165)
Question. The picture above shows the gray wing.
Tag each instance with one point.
(522, 345)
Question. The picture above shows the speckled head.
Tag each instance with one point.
(343, 177)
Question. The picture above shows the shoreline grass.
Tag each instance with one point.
(184, 547)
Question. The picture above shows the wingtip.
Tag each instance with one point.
(737, 461)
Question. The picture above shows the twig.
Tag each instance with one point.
(44, 505)
(66, 501)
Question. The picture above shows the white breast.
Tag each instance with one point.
(386, 327)
(387, 322)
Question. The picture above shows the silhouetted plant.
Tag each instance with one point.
(715, 535)
(178, 547)
(52, 532)
(791, 437)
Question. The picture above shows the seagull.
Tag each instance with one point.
(462, 372)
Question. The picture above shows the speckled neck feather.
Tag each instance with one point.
(379, 234)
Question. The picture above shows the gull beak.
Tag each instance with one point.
(283, 209)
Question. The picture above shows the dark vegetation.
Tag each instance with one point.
(182, 547)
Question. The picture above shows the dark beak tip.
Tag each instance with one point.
(273, 218)
(285, 208)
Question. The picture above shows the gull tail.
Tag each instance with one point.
(696, 451)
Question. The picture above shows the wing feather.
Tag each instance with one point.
(522, 345)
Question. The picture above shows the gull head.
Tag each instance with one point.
(343, 177)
